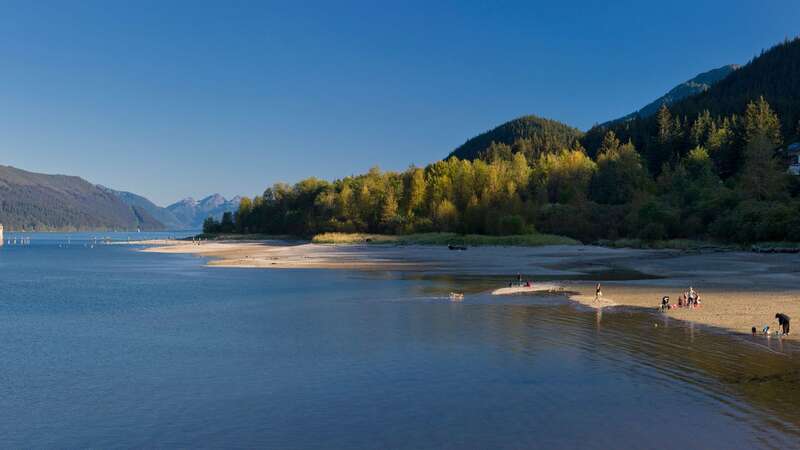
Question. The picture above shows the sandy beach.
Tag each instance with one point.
(738, 290)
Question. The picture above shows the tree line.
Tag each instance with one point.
(718, 177)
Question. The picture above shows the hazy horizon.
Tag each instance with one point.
(190, 99)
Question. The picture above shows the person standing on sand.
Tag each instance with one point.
(597, 292)
(783, 321)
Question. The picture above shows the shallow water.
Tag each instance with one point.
(103, 346)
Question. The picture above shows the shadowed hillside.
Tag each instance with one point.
(34, 201)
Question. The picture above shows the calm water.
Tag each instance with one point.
(107, 347)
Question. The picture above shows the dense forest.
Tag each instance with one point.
(708, 167)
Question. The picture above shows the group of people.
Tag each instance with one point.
(783, 322)
(688, 299)
(519, 283)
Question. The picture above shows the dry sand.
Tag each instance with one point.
(535, 287)
(738, 289)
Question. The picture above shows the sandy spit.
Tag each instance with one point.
(738, 290)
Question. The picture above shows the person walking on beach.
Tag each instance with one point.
(783, 321)
(597, 293)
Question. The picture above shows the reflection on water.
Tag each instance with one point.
(480, 283)
(108, 347)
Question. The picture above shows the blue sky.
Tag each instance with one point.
(171, 99)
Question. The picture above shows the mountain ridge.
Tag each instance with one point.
(42, 202)
(698, 84)
(771, 75)
(33, 201)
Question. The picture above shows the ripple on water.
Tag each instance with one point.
(113, 348)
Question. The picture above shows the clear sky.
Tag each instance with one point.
(170, 99)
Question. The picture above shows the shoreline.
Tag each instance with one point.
(738, 290)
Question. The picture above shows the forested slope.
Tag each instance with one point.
(33, 201)
(529, 135)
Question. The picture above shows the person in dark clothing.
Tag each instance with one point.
(753, 330)
(665, 303)
(783, 321)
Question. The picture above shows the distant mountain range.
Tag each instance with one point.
(39, 202)
(191, 213)
(184, 214)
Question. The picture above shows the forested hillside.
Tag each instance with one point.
(711, 168)
(529, 135)
(191, 213)
(33, 201)
(772, 75)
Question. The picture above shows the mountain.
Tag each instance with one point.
(185, 214)
(696, 85)
(774, 75)
(192, 213)
(139, 203)
(35, 201)
(529, 134)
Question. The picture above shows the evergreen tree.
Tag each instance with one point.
(620, 173)
(762, 177)
(226, 224)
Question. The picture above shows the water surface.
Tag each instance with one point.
(103, 346)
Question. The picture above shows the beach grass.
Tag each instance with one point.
(669, 244)
(523, 240)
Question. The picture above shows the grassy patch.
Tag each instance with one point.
(775, 247)
(529, 240)
(673, 244)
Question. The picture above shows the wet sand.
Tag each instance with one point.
(738, 290)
